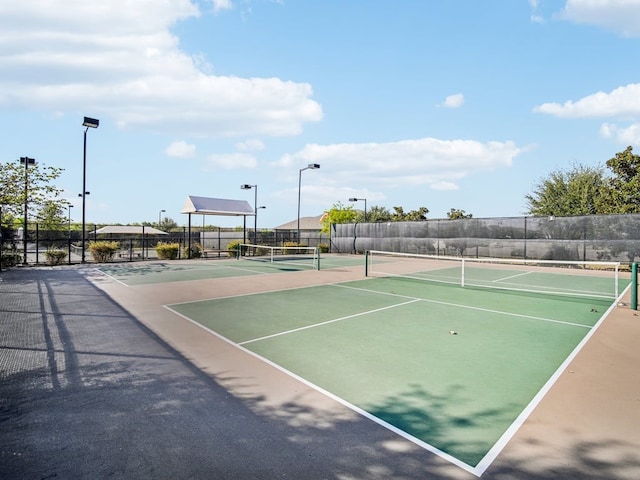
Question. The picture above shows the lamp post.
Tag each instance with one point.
(255, 208)
(353, 199)
(258, 208)
(27, 161)
(160, 217)
(311, 166)
(69, 252)
(70, 207)
(87, 123)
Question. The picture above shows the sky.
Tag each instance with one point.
(441, 104)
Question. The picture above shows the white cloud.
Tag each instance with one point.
(445, 186)
(221, 5)
(626, 136)
(453, 101)
(231, 161)
(621, 102)
(251, 145)
(180, 150)
(426, 161)
(125, 65)
(622, 16)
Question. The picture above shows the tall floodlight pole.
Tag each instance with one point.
(353, 199)
(311, 166)
(255, 208)
(88, 123)
(160, 217)
(27, 161)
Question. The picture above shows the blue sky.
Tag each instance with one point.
(444, 104)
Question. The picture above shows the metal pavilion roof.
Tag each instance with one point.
(216, 206)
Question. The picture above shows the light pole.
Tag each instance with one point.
(88, 123)
(160, 217)
(311, 166)
(27, 161)
(70, 207)
(255, 208)
(353, 199)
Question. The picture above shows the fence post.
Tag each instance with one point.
(366, 263)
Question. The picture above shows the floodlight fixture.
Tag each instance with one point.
(91, 122)
(354, 199)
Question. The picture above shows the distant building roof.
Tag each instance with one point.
(130, 230)
(216, 206)
(306, 223)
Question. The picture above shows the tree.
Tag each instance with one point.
(379, 214)
(623, 192)
(168, 224)
(414, 215)
(337, 214)
(41, 192)
(51, 220)
(577, 191)
(455, 214)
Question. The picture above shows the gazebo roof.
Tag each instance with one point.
(216, 206)
(130, 230)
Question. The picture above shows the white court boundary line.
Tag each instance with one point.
(293, 330)
(511, 430)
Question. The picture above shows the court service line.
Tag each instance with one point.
(511, 276)
(359, 314)
(480, 309)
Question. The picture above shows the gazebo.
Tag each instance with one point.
(217, 206)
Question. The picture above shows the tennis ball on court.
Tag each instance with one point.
(453, 332)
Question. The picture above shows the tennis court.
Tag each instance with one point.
(135, 274)
(454, 369)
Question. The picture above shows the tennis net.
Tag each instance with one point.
(572, 278)
(299, 257)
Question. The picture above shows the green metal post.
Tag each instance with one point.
(366, 263)
(634, 286)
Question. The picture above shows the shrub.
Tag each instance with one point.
(233, 246)
(290, 244)
(55, 257)
(10, 259)
(323, 247)
(196, 251)
(103, 251)
(167, 251)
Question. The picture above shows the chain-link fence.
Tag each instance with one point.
(40, 245)
(593, 237)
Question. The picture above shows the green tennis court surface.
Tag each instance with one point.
(133, 274)
(453, 369)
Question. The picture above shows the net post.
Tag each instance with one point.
(634, 286)
(366, 263)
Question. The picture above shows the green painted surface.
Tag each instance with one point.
(385, 346)
(154, 273)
